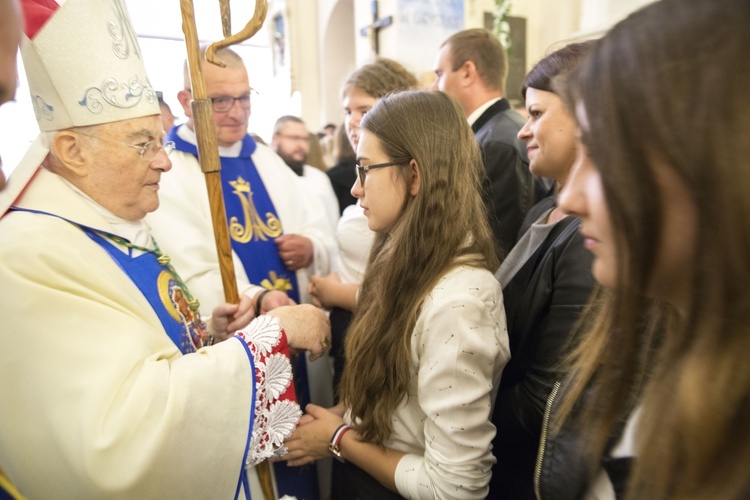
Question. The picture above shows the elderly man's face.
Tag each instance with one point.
(10, 37)
(117, 177)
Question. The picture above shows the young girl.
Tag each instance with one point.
(663, 191)
(428, 341)
(338, 291)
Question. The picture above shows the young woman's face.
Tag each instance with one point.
(384, 191)
(671, 275)
(550, 135)
(356, 105)
(583, 196)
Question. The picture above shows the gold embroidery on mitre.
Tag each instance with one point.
(254, 227)
(276, 283)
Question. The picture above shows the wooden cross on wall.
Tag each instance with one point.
(372, 30)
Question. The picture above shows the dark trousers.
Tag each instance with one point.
(340, 320)
(352, 483)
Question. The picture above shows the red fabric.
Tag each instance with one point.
(36, 13)
(283, 348)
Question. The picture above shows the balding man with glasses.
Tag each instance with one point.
(279, 236)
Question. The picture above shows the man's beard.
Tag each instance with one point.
(295, 165)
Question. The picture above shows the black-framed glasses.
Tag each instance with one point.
(362, 170)
(147, 150)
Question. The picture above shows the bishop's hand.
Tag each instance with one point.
(228, 318)
(307, 328)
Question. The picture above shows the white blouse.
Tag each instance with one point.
(458, 350)
(354, 239)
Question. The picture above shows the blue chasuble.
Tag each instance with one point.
(253, 225)
(252, 218)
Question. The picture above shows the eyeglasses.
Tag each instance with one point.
(362, 171)
(224, 103)
(148, 150)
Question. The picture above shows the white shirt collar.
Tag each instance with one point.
(474, 116)
(187, 134)
(135, 231)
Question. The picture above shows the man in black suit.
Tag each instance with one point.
(472, 67)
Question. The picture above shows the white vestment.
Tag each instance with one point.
(98, 402)
(315, 182)
(182, 224)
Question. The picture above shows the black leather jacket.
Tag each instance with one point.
(562, 471)
(542, 304)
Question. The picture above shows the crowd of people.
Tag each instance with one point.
(438, 298)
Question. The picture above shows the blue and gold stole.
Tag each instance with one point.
(253, 225)
(157, 283)
(252, 218)
(162, 289)
(7, 490)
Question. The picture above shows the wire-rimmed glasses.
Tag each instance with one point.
(147, 150)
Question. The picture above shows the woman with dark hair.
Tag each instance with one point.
(424, 357)
(546, 280)
(662, 187)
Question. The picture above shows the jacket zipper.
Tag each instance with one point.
(543, 440)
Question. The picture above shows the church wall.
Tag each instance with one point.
(548, 25)
(305, 54)
(338, 43)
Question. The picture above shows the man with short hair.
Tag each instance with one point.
(290, 142)
(472, 66)
(114, 375)
(279, 237)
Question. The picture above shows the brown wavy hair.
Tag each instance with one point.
(442, 226)
(379, 78)
(672, 81)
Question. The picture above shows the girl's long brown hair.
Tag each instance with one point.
(672, 82)
(443, 225)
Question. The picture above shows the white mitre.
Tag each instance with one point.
(84, 67)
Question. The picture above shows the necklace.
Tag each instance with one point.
(163, 259)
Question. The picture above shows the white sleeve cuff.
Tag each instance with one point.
(407, 478)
